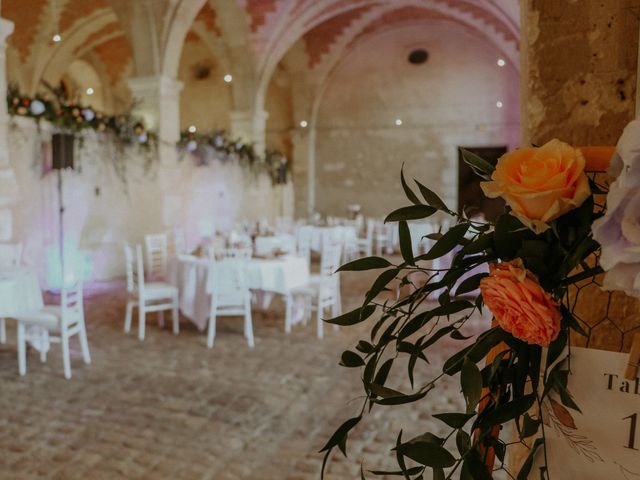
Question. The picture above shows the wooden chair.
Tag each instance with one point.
(156, 246)
(10, 257)
(147, 296)
(61, 322)
(323, 291)
(230, 294)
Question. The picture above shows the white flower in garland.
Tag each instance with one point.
(37, 107)
(88, 114)
(619, 230)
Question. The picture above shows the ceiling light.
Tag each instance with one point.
(57, 38)
(228, 77)
(501, 62)
(192, 129)
(499, 104)
(303, 124)
(398, 122)
(89, 91)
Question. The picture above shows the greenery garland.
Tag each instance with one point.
(537, 252)
(71, 117)
(218, 145)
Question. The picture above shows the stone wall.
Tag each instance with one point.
(579, 60)
(449, 101)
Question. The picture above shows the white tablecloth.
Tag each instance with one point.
(190, 274)
(19, 292)
(340, 234)
(267, 245)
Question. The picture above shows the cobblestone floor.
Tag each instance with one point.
(169, 408)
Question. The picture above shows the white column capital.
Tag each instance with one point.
(154, 85)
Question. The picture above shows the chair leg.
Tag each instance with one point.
(175, 318)
(45, 347)
(84, 344)
(66, 357)
(22, 349)
(161, 319)
(141, 320)
(127, 317)
(3, 330)
(288, 313)
(320, 326)
(211, 334)
(248, 325)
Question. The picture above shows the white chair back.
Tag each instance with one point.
(330, 258)
(304, 239)
(71, 302)
(176, 242)
(156, 247)
(135, 268)
(10, 255)
(227, 282)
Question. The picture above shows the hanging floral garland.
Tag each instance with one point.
(217, 145)
(72, 117)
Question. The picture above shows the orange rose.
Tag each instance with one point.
(540, 184)
(519, 304)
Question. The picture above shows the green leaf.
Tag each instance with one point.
(470, 284)
(402, 399)
(399, 473)
(366, 263)
(507, 411)
(471, 383)
(431, 198)
(447, 242)
(382, 391)
(351, 359)
(529, 426)
(381, 282)
(406, 248)
(353, 317)
(528, 463)
(407, 191)
(463, 441)
(454, 420)
(413, 212)
(383, 372)
(477, 163)
(451, 308)
(341, 433)
(427, 453)
(365, 347)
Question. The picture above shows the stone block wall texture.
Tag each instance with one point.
(579, 64)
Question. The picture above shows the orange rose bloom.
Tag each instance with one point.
(540, 184)
(519, 304)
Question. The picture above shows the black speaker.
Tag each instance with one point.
(62, 150)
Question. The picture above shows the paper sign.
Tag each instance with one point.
(602, 442)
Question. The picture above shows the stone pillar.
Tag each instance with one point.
(578, 71)
(250, 126)
(8, 182)
(303, 172)
(158, 102)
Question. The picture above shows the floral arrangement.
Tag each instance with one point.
(218, 145)
(521, 268)
(69, 116)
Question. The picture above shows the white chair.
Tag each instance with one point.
(176, 242)
(365, 244)
(63, 321)
(230, 295)
(147, 296)
(382, 237)
(304, 239)
(10, 257)
(157, 254)
(323, 291)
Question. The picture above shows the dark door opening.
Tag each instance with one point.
(470, 196)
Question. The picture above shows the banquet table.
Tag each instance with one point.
(339, 233)
(266, 276)
(267, 245)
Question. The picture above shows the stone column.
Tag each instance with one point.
(158, 102)
(250, 126)
(303, 172)
(8, 182)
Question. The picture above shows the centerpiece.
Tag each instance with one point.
(522, 268)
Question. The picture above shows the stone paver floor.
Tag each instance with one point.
(169, 408)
